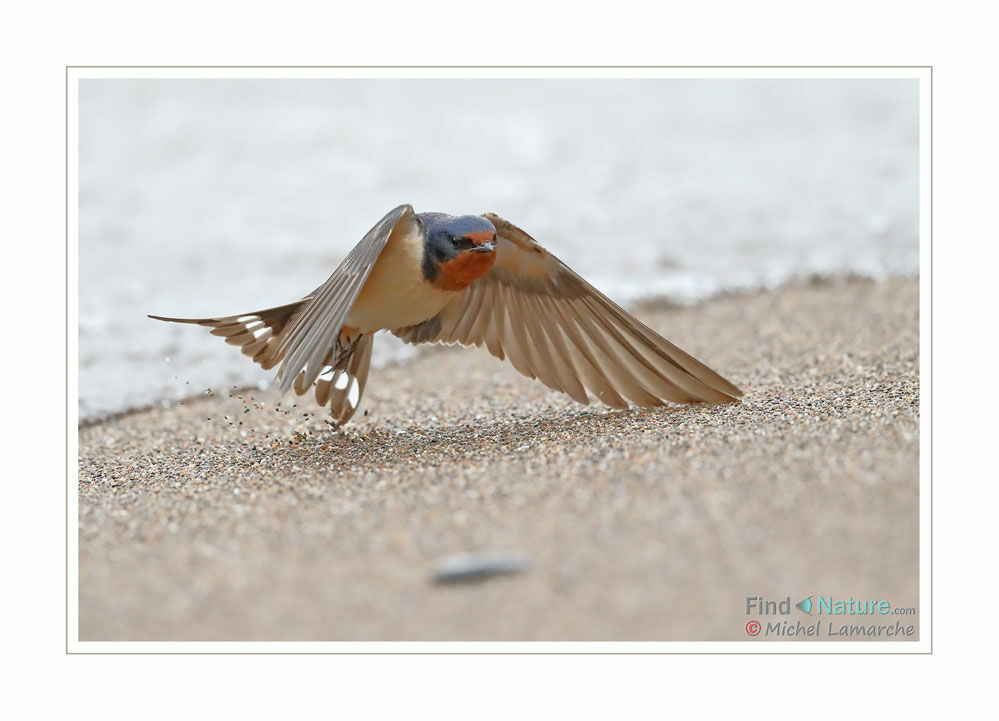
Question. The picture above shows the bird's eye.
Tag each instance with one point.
(462, 242)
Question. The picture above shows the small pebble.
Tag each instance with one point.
(470, 567)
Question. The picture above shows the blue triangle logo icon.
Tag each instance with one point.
(805, 605)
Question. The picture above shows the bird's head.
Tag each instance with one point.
(457, 250)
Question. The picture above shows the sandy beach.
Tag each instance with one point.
(229, 517)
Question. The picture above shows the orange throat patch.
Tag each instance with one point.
(458, 273)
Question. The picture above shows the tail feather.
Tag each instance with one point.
(258, 334)
(341, 385)
(346, 388)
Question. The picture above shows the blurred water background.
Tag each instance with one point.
(217, 197)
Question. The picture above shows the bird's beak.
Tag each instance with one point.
(487, 247)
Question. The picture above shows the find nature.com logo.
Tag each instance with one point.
(870, 611)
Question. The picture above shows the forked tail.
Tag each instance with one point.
(341, 382)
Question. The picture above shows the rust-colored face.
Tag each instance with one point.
(469, 265)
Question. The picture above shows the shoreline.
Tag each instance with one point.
(642, 524)
(643, 305)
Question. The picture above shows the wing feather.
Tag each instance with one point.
(606, 365)
(669, 385)
(467, 318)
(257, 332)
(529, 342)
(550, 352)
(561, 356)
(481, 329)
(496, 329)
(511, 341)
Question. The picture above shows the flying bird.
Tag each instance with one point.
(474, 280)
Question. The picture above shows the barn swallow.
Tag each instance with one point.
(474, 280)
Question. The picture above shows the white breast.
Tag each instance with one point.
(395, 294)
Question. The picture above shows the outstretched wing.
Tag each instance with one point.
(554, 326)
(309, 338)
